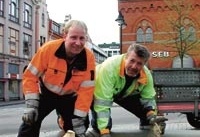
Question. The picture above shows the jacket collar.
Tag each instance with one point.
(143, 77)
(60, 52)
(80, 62)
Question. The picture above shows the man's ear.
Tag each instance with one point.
(64, 35)
(87, 38)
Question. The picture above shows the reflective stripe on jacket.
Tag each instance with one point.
(50, 64)
(110, 80)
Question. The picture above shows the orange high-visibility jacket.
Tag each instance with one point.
(50, 64)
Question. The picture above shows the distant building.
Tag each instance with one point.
(149, 23)
(67, 18)
(110, 49)
(55, 30)
(23, 29)
(100, 55)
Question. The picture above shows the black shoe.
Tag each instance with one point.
(144, 125)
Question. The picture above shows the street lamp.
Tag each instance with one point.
(122, 24)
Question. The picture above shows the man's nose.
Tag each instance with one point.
(134, 65)
(78, 42)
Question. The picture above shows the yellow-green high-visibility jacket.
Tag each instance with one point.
(110, 80)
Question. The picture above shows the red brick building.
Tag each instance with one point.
(148, 23)
(55, 30)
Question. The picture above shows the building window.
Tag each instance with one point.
(1, 8)
(149, 35)
(1, 83)
(1, 70)
(109, 53)
(1, 38)
(191, 33)
(42, 40)
(56, 28)
(27, 45)
(13, 83)
(187, 31)
(13, 68)
(27, 16)
(1, 91)
(144, 33)
(13, 89)
(14, 42)
(115, 53)
(140, 35)
(43, 20)
(14, 10)
(187, 34)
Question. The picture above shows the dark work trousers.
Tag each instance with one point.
(131, 104)
(49, 101)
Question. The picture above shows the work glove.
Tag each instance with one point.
(157, 119)
(30, 115)
(69, 133)
(105, 133)
(157, 125)
(79, 128)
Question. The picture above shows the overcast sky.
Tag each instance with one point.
(99, 15)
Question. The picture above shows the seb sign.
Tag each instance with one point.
(160, 54)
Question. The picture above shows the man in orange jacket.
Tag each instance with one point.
(60, 76)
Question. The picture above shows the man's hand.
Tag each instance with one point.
(30, 115)
(79, 126)
(157, 119)
(31, 112)
(157, 126)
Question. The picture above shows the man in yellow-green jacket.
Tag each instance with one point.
(125, 80)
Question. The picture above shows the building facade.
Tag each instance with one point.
(99, 53)
(24, 27)
(110, 49)
(19, 40)
(152, 23)
(55, 30)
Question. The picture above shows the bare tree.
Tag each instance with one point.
(182, 38)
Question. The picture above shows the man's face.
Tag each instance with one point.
(75, 40)
(133, 64)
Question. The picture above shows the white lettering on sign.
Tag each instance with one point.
(160, 54)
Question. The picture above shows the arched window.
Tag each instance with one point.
(14, 10)
(27, 16)
(192, 33)
(149, 35)
(1, 7)
(144, 33)
(188, 62)
(140, 35)
(188, 30)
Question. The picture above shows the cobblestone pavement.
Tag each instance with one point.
(177, 126)
(131, 130)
